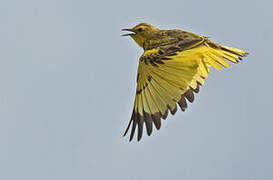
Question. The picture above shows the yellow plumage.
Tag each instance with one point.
(173, 66)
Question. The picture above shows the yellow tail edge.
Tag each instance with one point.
(229, 53)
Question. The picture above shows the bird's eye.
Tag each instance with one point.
(139, 29)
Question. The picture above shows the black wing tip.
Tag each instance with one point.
(165, 115)
(148, 122)
(130, 122)
(127, 129)
(189, 95)
(151, 120)
(174, 110)
(138, 120)
(157, 120)
(197, 89)
(131, 138)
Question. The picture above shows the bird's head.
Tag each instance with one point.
(141, 32)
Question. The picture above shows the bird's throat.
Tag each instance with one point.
(139, 40)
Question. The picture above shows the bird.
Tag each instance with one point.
(171, 70)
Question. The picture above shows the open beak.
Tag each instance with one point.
(128, 34)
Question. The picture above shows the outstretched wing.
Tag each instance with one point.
(170, 75)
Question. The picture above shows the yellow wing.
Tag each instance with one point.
(165, 79)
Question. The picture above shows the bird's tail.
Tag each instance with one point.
(229, 53)
(217, 54)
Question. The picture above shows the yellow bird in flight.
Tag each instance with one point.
(171, 69)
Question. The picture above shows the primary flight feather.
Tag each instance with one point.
(171, 69)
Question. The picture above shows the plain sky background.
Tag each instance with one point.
(68, 83)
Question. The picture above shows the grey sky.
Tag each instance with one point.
(68, 82)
